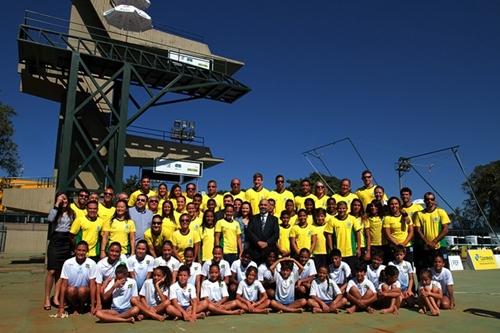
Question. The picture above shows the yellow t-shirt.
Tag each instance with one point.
(431, 223)
(255, 197)
(156, 241)
(119, 231)
(366, 195)
(376, 233)
(242, 196)
(299, 201)
(181, 242)
(319, 231)
(412, 210)
(195, 225)
(302, 235)
(230, 232)
(133, 196)
(219, 200)
(91, 231)
(293, 220)
(168, 227)
(208, 243)
(345, 234)
(177, 217)
(280, 199)
(363, 224)
(105, 213)
(347, 199)
(397, 229)
(321, 203)
(284, 238)
(78, 212)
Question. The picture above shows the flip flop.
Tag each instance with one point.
(47, 307)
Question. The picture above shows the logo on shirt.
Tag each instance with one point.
(87, 266)
(147, 262)
(129, 286)
(222, 266)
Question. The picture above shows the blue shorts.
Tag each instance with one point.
(120, 311)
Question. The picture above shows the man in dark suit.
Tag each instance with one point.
(263, 232)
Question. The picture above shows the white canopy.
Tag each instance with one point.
(128, 18)
(141, 4)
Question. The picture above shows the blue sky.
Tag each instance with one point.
(397, 77)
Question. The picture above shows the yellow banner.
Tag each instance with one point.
(482, 259)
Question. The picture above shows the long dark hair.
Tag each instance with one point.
(126, 215)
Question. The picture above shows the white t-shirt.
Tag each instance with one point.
(79, 275)
(184, 296)
(173, 264)
(395, 285)
(340, 274)
(405, 269)
(285, 288)
(239, 270)
(105, 269)
(325, 291)
(250, 292)
(194, 271)
(374, 274)
(264, 274)
(148, 291)
(444, 278)
(308, 271)
(215, 291)
(363, 286)
(121, 296)
(434, 284)
(141, 268)
(225, 268)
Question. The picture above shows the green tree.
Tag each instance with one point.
(9, 158)
(333, 183)
(131, 184)
(485, 182)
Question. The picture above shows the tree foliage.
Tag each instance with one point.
(9, 158)
(131, 184)
(333, 183)
(485, 181)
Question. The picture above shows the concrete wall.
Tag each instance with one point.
(38, 200)
(26, 238)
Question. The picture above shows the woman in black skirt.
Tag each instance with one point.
(60, 218)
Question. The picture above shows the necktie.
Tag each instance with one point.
(263, 220)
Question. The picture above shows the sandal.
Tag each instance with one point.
(47, 307)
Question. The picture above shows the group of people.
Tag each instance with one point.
(169, 253)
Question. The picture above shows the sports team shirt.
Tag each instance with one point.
(240, 271)
(325, 290)
(431, 223)
(321, 202)
(106, 270)
(412, 210)
(149, 293)
(405, 269)
(345, 233)
(172, 263)
(254, 197)
(140, 268)
(119, 231)
(339, 274)
(299, 201)
(374, 274)
(347, 199)
(362, 286)
(194, 271)
(156, 241)
(135, 194)
(293, 220)
(444, 278)
(230, 232)
(208, 243)
(285, 288)
(319, 231)
(79, 212)
(122, 296)
(363, 224)
(90, 232)
(195, 225)
(265, 274)
(183, 295)
(182, 242)
(284, 238)
(432, 285)
(242, 196)
(224, 267)
(302, 235)
(395, 285)
(250, 292)
(168, 227)
(367, 195)
(398, 228)
(79, 275)
(308, 271)
(219, 202)
(105, 213)
(376, 236)
(280, 200)
(214, 290)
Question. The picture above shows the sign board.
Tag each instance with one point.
(183, 168)
(455, 263)
(482, 259)
(190, 60)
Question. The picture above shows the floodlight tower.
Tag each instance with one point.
(95, 70)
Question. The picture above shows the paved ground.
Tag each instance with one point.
(477, 295)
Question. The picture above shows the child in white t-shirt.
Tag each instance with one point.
(225, 268)
(360, 291)
(183, 300)
(265, 276)
(374, 269)
(286, 278)
(167, 259)
(251, 294)
(405, 275)
(389, 290)
(194, 269)
(339, 271)
(429, 294)
(123, 293)
(325, 294)
(154, 294)
(308, 273)
(238, 270)
(443, 275)
(140, 264)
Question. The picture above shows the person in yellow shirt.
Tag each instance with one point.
(196, 219)
(154, 204)
(106, 208)
(162, 194)
(345, 193)
(305, 192)
(280, 195)
(184, 238)
(318, 228)
(155, 237)
(180, 208)
(283, 243)
(331, 208)
(236, 191)
(407, 205)
(320, 193)
(170, 224)
(377, 238)
(398, 228)
(301, 234)
(347, 235)
(309, 206)
(290, 209)
(258, 192)
(90, 225)
(230, 231)
(80, 204)
(197, 201)
(121, 229)
(175, 192)
(145, 188)
(207, 235)
(366, 193)
(359, 213)
(212, 194)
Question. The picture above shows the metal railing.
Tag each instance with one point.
(163, 135)
(27, 182)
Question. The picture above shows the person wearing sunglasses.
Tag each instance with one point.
(280, 195)
(145, 188)
(141, 216)
(366, 193)
(79, 206)
(106, 207)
